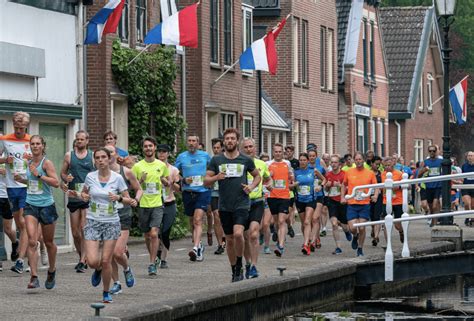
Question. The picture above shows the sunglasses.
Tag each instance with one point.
(432, 151)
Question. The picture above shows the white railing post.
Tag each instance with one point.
(406, 249)
(388, 226)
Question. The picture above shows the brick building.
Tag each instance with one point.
(413, 50)
(304, 91)
(362, 77)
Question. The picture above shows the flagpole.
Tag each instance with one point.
(260, 131)
(437, 100)
(142, 51)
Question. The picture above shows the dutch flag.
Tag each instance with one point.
(105, 21)
(180, 28)
(458, 100)
(262, 55)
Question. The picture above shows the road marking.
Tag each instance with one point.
(181, 249)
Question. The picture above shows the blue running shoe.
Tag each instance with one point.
(247, 270)
(18, 266)
(355, 244)
(106, 297)
(253, 272)
(116, 288)
(359, 252)
(151, 269)
(96, 278)
(337, 251)
(50, 282)
(279, 251)
(129, 278)
(34, 283)
(348, 236)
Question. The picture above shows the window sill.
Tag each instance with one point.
(230, 68)
(247, 73)
(140, 46)
(305, 86)
(297, 84)
(125, 43)
(215, 65)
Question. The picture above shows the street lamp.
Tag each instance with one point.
(446, 13)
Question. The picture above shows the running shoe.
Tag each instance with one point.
(152, 269)
(359, 252)
(1, 266)
(318, 243)
(209, 239)
(116, 288)
(272, 228)
(200, 253)
(291, 231)
(354, 243)
(337, 251)
(129, 278)
(158, 254)
(323, 233)
(220, 250)
(81, 267)
(275, 237)
(96, 277)
(28, 269)
(163, 264)
(312, 246)
(106, 297)
(372, 234)
(50, 282)
(374, 242)
(238, 275)
(18, 266)
(44, 257)
(279, 250)
(266, 250)
(247, 270)
(261, 239)
(348, 235)
(193, 254)
(305, 249)
(157, 261)
(253, 272)
(14, 255)
(34, 283)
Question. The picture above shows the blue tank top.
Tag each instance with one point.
(305, 189)
(434, 170)
(38, 192)
(79, 168)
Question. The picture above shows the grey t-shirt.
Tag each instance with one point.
(231, 194)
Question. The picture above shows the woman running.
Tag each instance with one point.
(40, 178)
(103, 189)
(319, 181)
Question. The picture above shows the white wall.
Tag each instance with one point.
(55, 33)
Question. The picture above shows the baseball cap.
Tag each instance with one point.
(163, 147)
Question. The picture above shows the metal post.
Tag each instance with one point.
(260, 131)
(388, 227)
(406, 249)
(446, 165)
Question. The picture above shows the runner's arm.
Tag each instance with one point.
(211, 177)
(65, 167)
(51, 178)
(134, 183)
(256, 179)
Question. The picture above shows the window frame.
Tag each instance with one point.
(250, 119)
(372, 51)
(224, 120)
(214, 37)
(304, 133)
(296, 136)
(296, 58)
(418, 149)
(331, 131)
(329, 59)
(121, 28)
(429, 87)
(364, 48)
(324, 134)
(141, 29)
(382, 136)
(245, 43)
(304, 52)
(322, 57)
(227, 31)
(421, 106)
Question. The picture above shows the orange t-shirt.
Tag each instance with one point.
(397, 196)
(355, 177)
(280, 173)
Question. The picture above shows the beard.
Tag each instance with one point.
(230, 147)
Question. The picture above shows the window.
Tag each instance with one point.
(382, 137)
(361, 134)
(364, 48)
(420, 96)
(418, 150)
(372, 51)
(228, 32)
(2, 127)
(296, 137)
(304, 134)
(429, 85)
(247, 130)
(296, 22)
(141, 20)
(122, 29)
(373, 130)
(227, 121)
(324, 128)
(269, 144)
(304, 52)
(330, 59)
(214, 31)
(331, 139)
(322, 57)
(247, 15)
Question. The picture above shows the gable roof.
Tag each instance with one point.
(272, 118)
(406, 34)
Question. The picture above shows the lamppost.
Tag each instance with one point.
(446, 13)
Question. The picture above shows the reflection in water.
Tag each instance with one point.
(446, 298)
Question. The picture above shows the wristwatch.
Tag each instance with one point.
(39, 175)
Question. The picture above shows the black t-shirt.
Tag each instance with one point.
(295, 164)
(231, 194)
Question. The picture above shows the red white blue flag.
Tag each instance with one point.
(105, 21)
(458, 100)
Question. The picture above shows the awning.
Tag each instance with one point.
(44, 109)
(271, 119)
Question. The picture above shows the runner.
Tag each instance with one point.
(267, 220)
(76, 165)
(348, 162)
(318, 222)
(7, 215)
(323, 219)
(217, 150)
(110, 138)
(169, 211)
(196, 197)
(358, 209)
(152, 174)
(16, 150)
(337, 210)
(432, 192)
(257, 205)
(103, 189)
(289, 156)
(307, 198)
(279, 200)
(468, 194)
(397, 197)
(40, 209)
(230, 169)
(376, 208)
(125, 215)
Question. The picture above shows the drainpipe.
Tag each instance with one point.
(399, 137)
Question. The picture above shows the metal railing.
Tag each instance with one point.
(404, 184)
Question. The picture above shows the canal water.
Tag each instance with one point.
(447, 298)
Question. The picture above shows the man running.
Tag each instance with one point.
(230, 170)
(257, 205)
(110, 138)
(468, 194)
(432, 193)
(279, 200)
(192, 165)
(217, 150)
(16, 150)
(152, 175)
(397, 198)
(7, 215)
(76, 165)
(358, 209)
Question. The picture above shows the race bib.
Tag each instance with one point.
(35, 187)
(197, 181)
(2, 166)
(119, 205)
(18, 166)
(102, 209)
(358, 196)
(78, 187)
(232, 170)
(435, 171)
(250, 182)
(150, 188)
(164, 193)
(304, 190)
(216, 186)
(279, 183)
(334, 191)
